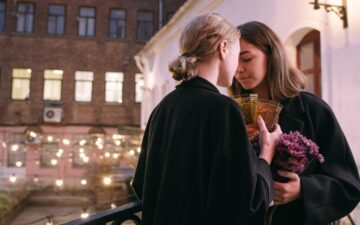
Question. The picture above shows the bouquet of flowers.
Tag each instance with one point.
(294, 152)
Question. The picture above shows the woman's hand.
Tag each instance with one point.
(252, 132)
(289, 191)
(268, 141)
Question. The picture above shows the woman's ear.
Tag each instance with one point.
(223, 49)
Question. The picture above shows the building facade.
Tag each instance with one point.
(70, 91)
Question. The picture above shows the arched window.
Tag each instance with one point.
(308, 60)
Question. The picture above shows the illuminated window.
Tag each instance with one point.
(139, 87)
(20, 84)
(83, 86)
(52, 85)
(25, 18)
(49, 156)
(114, 86)
(16, 151)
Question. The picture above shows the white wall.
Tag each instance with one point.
(340, 50)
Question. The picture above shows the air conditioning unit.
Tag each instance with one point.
(52, 114)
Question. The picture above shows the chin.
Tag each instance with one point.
(247, 86)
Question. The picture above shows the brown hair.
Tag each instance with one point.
(283, 80)
(199, 42)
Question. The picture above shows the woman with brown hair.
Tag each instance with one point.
(323, 192)
(196, 165)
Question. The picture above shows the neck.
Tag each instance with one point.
(262, 90)
(208, 70)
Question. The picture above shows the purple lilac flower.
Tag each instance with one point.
(293, 150)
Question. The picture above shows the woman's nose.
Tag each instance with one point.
(240, 69)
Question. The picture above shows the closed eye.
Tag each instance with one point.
(245, 59)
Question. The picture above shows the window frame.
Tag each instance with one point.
(3, 15)
(79, 17)
(12, 84)
(142, 88)
(84, 81)
(117, 27)
(138, 22)
(54, 79)
(120, 81)
(18, 14)
(56, 20)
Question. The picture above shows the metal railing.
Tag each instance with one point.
(117, 216)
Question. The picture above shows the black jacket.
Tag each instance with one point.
(329, 190)
(196, 166)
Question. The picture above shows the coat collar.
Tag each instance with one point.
(290, 116)
(199, 82)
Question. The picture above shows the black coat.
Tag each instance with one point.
(196, 166)
(329, 190)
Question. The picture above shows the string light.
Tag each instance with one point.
(84, 214)
(54, 162)
(83, 182)
(18, 163)
(66, 141)
(112, 205)
(50, 138)
(107, 181)
(115, 155)
(59, 182)
(82, 142)
(12, 178)
(14, 147)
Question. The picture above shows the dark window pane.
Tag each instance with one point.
(87, 12)
(2, 16)
(86, 20)
(144, 26)
(57, 10)
(117, 24)
(25, 18)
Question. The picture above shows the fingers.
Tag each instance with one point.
(290, 175)
(261, 124)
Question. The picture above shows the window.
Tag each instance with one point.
(81, 156)
(117, 24)
(144, 26)
(2, 15)
(16, 151)
(20, 84)
(86, 22)
(139, 87)
(56, 21)
(49, 156)
(309, 61)
(83, 86)
(52, 85)
(25, 18)
(81, 151)
(114, 86)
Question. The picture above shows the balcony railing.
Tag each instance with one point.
(117, 216)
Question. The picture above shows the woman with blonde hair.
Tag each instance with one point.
(196, 165)
(324, 192)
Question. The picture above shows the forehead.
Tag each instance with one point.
(246, 47)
